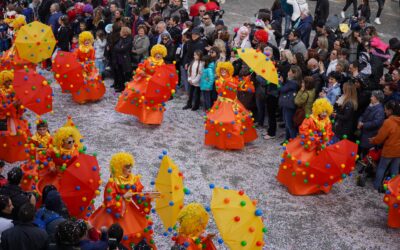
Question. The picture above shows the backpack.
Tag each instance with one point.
(43, 217)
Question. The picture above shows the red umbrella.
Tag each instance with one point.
(33, 91)
(333, 163)
(68, 71)
(392, 199)
(79, 184)
(161, 84)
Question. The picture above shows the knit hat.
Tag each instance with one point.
(261, 36)
(53, 201)
(88, 8)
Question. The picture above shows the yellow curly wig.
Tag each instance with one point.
(17, 22)
(322, 105)
(86, 35)
(63, 133)
(224, 65)
(6, 75)
(193, 220)
(118, 161)
(158, 49)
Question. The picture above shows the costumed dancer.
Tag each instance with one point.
(73, 173)
(38, 145)
(14, 130)
(151, 87)
(126, 204)
(310, 164)
(228, 125)
(392, 194)
(193, 220)
(10, 58)
(93, 87)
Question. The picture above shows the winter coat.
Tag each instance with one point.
(44, 10)
(24, 236)
(208, 77)
(123, 50)
(389, 136)
(63, 38)
(101, 244)
(192, 46)
(305, 99)
(48, 220)
(287, 8)
(287, 94)
(141, 45)
(172, 10)
(5, 224)
(344, 120)
(321, 11)
(372, 120)
(333, 93)
(99, 47)
(298, 47)
(171, 49)
(53, 21)
(305, 28)
(194, 72)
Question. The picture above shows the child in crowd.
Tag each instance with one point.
(194, 74)
(99, 46)
(207, 81)
(75, 43)
(333, 91)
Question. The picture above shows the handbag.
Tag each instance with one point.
(300, 114)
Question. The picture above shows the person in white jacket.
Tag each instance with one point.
(99, 46)
(194, 75)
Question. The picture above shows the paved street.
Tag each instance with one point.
(348, 217)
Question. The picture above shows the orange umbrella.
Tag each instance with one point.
(68, 71)
(33, 91)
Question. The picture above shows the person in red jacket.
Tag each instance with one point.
(389, 136)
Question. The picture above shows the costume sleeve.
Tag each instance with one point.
(143, 202)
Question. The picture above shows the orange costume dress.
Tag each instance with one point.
(132, 213)
(228, 125)
(93, 87)
(152, 85)
(310, 164)
(14, 130)
(392, 199)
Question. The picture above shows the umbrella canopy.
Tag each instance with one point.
(392, 199)
(169, 183)
(333, 163)
(161, 84)
(237, 219)
(68, 71)
(260, 64)
(79, 184)
(35, 42)
(33, 91)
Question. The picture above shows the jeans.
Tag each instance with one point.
(288, 22)
(272, 105)
(348, 3)
(184, 78)
(381, 3)
(392, 163)
(288, 114)
(100, 65)
(207, 99)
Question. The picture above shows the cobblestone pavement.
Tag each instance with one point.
(348, 217)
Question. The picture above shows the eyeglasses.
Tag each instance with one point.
(70, 142)
(128, 167)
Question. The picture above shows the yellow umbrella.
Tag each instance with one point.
(35, 42)
(237, 219)
(169, 183)
(260, 64)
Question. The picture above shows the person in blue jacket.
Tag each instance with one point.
(207, 81)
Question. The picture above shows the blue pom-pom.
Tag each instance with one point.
(258, 212)
(164, 152)
(220, 241)
(212, 186)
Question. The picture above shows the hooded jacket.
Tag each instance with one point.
(389, 136)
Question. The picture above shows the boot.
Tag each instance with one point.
(377, 20)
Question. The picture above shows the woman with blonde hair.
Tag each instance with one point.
(345, 113)
(242, 39)
(285, 63)
(220, 44)
(322, 44)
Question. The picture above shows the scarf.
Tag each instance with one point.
(130, 180)
(42, 140)
(321, 124)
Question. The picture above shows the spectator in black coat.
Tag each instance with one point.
(314, 72)
(171, 48)
(115, 233)
(123, 62)
(14, 191)
(24, 235)
(196, 43)
(321, 11)
(174, 30)
(63, 34)
(345, 115)
(67, 236)
(44, 10)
